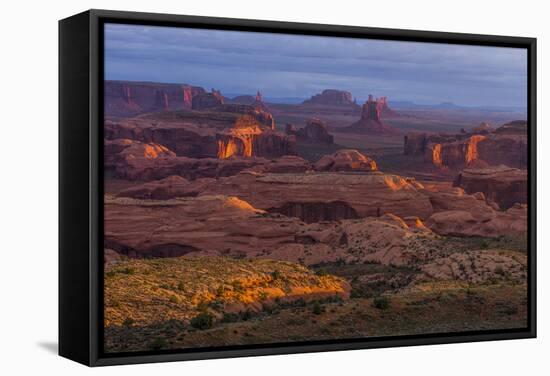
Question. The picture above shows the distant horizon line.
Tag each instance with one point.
(358, 99)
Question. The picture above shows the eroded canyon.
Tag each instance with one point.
(226, 218)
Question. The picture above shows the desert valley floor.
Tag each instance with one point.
(232, 221)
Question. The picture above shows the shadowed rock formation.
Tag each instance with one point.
(459, 214)
(207, 101)
(372, 194)
(331, 97)
(503, 185)
(314, 132)
(371, 121)
(127, 98)
(346, 160)
(231, 130)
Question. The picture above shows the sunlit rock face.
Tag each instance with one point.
(222, 132)
(346, 160)
(247, 139)
(454, 154)
(124, 98)
(481, 148)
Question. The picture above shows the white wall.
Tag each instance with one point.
(28, 186)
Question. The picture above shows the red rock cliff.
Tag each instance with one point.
(127, 98)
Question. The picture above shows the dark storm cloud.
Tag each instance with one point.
(299, 66)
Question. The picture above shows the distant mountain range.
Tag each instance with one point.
(404, 105)
(451, 106)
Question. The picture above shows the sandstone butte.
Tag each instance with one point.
(331, 97)
(371, 118)
(483, 147)
(501, 184)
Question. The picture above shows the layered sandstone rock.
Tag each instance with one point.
(516, 127)
(163, 189)
(324, 196)
(207, 101)
(315, 132)
(127, 98)
(225, 225)
(371, 122)
(483, 147)
(346, 160)
(235, 131)
(183, 226)
(147, 169)
(503, 185)
(331, 97)
(286, 164)
(459, 214)
(120, 152)
(454, 154)
(483, 128)
(315, 196)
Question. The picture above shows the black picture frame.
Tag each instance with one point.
(81, 185)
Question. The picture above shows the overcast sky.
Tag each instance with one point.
(282, 65)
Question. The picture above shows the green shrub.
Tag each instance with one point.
(128, 322)
(158, 343)
(181, 286)
(202, 321)
(174, 299)
(316, 308)
(230, 317)
(128, 271)
(275, 274)
(381, 302)
(321, 272)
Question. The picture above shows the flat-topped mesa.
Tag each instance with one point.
(481, 147)
(314, 132)
(332, 97)
(127, 98)
(371, 121)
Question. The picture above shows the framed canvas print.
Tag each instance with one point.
(239, 187)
